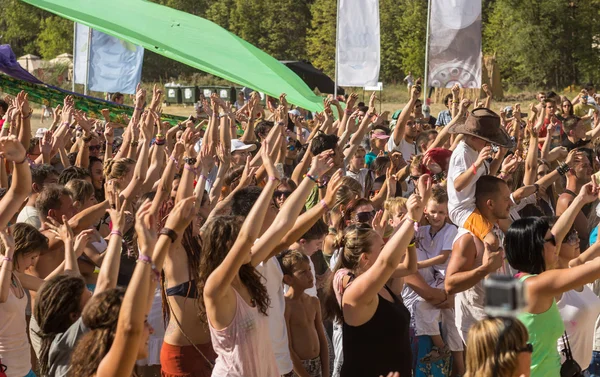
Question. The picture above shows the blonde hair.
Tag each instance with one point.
(394, 205)
(117, 168)
(80, 190)
(482, 341)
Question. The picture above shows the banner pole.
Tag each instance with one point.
(337, 36)
(74, 52)
(87, 62)
(426, 75)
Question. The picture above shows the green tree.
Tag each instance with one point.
(412, 30)
(390, 12)
(55, 37)
(219, 12)
(20, 26)
(320, 41)
(284, 25)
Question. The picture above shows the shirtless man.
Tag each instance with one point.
(308, 344)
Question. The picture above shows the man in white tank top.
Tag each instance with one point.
(470, 262)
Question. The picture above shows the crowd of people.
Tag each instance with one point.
(262, 242)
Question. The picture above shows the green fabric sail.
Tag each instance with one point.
(189, 39)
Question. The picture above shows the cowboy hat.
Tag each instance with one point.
(484, 124)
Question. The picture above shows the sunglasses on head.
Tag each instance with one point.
(365, 217)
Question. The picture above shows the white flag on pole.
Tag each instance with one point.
(455, 43)
(358, 43)
(114, 65)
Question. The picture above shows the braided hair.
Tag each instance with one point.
(100, 315)
(56, 300)
(219, 237)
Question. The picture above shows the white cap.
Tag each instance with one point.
(40, 132)
(237, 145)
(295, 112)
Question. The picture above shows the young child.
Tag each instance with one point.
(309, 244)
(308, 343)
(469, 162)
(434, 243)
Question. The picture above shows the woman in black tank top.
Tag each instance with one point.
(375, 322)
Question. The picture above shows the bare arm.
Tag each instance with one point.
(440, 259)
(405, 116)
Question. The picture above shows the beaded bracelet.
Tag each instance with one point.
(313, 178)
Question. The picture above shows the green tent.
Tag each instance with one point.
(191, 40)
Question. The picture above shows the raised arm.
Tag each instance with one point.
(290, 210)
(12, 150)
(587, 194)
(405, 115)
(219, 281)
(8, 242)
(365, 287)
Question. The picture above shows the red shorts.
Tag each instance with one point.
(186, 361)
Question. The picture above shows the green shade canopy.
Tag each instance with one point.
(189, 39)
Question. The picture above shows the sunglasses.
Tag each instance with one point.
(365, 217)
(573, 237)
(279, 194)
(527, 348)
(94, 147)
(551, 239)
(413, 177)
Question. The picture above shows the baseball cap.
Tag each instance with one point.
(237, 145)
(379, 134)
(295, 112)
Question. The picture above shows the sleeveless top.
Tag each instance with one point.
(244, 347)
(14, 346)
(469, 304)
(579, 311)
(381, 345)
(544, 330)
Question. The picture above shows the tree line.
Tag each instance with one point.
(541, 43)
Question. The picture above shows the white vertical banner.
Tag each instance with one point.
(114, 65)
(80, 53)
(358, 42)
(455, 43)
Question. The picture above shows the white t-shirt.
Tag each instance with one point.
(361, 177)
(462, 204)
(312, 291)
(431, 247)
(273, 280)
(30, 215)
(407, 149)
(579, 311)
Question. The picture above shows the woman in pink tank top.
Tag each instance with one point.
(235, 299)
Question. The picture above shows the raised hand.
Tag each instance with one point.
(378, 227)
(390, 181)
(272, 172)
(248, 174)
(145, 227)
(322, 163)
(12, 149)
(83, 121)
(61, 231)
(589, 192)
(109, 134)
(22, 102)
(332, 186)
(81, 240)
(117, 207)
(140, 96)
(46, 143)
(224, 155)
(492, 260)
(8, 241)
(484, 154)
(351, 100)
(486, 89)
(181, 215)
(510, 164)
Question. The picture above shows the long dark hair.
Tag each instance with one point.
(219, 237)
(524, 244)
(101, 316)
(56, 300)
